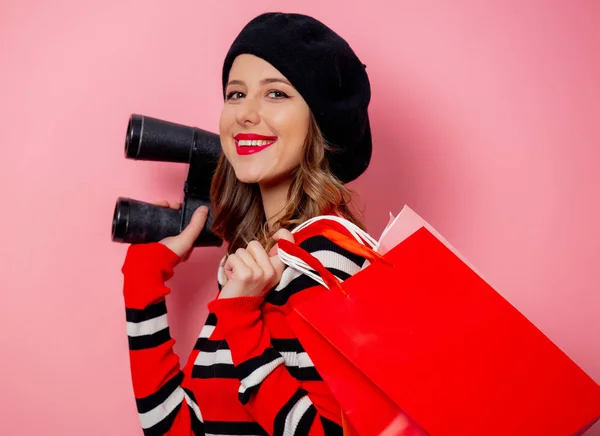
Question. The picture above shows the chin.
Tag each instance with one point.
(247, 177)
(250, 178)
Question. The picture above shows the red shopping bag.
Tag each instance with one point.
(366, 409)
(423, 335)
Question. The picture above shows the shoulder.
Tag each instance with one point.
(326, 249)
(338, 260)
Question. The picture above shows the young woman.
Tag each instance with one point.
(294, 128)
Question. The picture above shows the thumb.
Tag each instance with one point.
(275, 260)
(281, 234)
(195, 226)
(284, 234)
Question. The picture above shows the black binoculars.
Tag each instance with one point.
(151, 139)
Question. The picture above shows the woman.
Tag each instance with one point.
(296, 87)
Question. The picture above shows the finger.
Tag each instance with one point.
(273, 251)
(284, 234)
(175, 205)
(248, 259)
(196, 224)
(261, 257)
(163, 203)
(236, 265)
(278, 265)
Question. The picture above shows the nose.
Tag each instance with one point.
(248, 112)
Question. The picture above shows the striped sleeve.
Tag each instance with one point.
(279, 402)
(164, 406)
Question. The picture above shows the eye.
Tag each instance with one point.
(283, 94)
(279, 95)
(229, 96)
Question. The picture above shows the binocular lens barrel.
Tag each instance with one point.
(147, 138)
(136, 222)
(157, 140)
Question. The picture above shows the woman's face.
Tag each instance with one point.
(261, 104)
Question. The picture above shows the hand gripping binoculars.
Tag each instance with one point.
(151, 139)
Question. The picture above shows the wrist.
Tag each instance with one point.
(236, 314)
(227, 294)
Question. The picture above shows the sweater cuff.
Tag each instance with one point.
(150, 258)
(145, 270)
(237, 312)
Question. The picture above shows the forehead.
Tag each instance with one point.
(248, 67)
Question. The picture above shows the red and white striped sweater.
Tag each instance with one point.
(248, 373)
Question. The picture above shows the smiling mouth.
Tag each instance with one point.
(246, 147)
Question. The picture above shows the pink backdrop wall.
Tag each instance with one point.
(485, 118)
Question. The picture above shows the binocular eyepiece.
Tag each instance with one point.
(151, 139)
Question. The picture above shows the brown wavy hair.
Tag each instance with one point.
(237, 209)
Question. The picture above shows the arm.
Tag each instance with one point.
(275, 399)
(279, 402)
(164, 406)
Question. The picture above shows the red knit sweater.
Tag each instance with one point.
(248, 373)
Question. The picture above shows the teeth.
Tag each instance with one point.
(253, 143)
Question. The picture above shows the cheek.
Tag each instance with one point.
(295, 138)
(291, 125)
(225, 120)
(225, 130)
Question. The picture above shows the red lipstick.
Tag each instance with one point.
(246, 148)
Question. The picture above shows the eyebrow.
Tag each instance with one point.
(262, 82)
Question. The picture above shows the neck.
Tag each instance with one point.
(274, 199)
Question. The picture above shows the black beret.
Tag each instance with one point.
(325, 71)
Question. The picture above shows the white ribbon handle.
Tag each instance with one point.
(356, 231)
(298, 264)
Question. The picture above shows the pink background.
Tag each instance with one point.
(485, 118)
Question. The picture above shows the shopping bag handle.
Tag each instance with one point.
(290, 254)
(324, 276)
(354, 247)
(359, 234)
